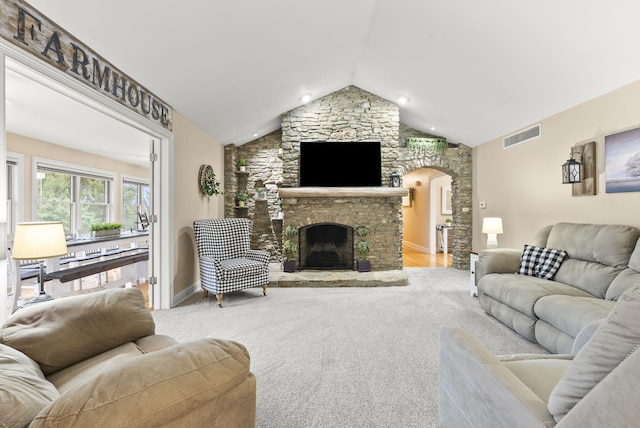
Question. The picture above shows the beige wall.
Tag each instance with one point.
(192, 148)
(522, 184)
(31, 147)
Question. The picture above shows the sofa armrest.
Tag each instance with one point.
(259, 256)
(476, 389)
(201, 383)
(497, 260)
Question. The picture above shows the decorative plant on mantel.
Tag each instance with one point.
(207, 182)
(290, 248)
(427, 146)
(362, 250)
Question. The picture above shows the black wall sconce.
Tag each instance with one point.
(395, 179)
(571, 169)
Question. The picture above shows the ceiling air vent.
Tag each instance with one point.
(522, 136)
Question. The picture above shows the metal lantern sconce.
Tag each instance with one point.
(395, 179)
(571, 169)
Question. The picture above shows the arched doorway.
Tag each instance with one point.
(457, 163)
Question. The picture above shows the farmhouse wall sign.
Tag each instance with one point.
(31, 31)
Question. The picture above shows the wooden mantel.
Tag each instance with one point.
(340, 192)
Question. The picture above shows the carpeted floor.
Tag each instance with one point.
(345, 357)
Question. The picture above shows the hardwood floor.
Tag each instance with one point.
(415, 258)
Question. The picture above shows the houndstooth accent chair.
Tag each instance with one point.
(226, 261)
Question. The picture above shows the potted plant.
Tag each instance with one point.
(290, 249)
(242, 164)
(279, 148)
(363, 263)
(448, 221)
(105, 229)
(241, 198)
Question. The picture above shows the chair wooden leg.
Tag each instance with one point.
(219, 297)
(205, 293)
(264, 289)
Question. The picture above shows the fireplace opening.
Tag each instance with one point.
(326, 246)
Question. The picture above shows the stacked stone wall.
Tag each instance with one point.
(350, 114)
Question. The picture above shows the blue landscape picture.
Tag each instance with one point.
(622, 161)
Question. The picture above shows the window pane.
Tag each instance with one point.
(93, 190)
(54, 187)
(55, 211)
(146, 198)
(93, 214)
(54, 198)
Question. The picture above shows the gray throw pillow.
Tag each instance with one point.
(616, 338)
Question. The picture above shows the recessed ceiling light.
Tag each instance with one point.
(305, 98)
(402, 100)
(255, 134)
(433, 128)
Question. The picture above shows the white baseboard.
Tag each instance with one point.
(184, 294)
(416, 247)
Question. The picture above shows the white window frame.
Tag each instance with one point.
(77, 170)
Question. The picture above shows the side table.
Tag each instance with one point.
(473, 258)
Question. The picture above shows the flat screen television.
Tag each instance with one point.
(340, 164)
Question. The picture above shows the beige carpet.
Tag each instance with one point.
(345, 357)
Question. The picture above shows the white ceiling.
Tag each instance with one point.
(473, 70)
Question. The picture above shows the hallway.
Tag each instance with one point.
(414, 258)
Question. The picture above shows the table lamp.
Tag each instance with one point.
(492, 226)
(38, 241)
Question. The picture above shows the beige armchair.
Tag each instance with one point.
(95, 359)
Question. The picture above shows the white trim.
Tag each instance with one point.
(72, 168)
(18, 158)
(134, 179)
(186, 293)
(417, 247)
(162, 255)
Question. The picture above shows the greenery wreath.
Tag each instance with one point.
(207, 182)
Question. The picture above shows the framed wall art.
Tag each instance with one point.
(622, 161)
(446, 200)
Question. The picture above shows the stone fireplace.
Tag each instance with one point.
(348, 115)
(326, 246)
(344, 209)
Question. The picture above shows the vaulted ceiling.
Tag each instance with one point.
(471, 70)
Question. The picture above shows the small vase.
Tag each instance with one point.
(243, 168)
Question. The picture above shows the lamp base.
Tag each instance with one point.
(492, 240)
(39, 298)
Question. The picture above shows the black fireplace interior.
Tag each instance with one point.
(326, 246)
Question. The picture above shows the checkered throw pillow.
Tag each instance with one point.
(531, 256)
(541, 262)
(550, 263)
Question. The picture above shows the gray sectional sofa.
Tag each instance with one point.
(600, 264)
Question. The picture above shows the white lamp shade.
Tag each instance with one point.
(492, 225)
(39, 240)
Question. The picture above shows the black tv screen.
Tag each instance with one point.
(340, 164)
